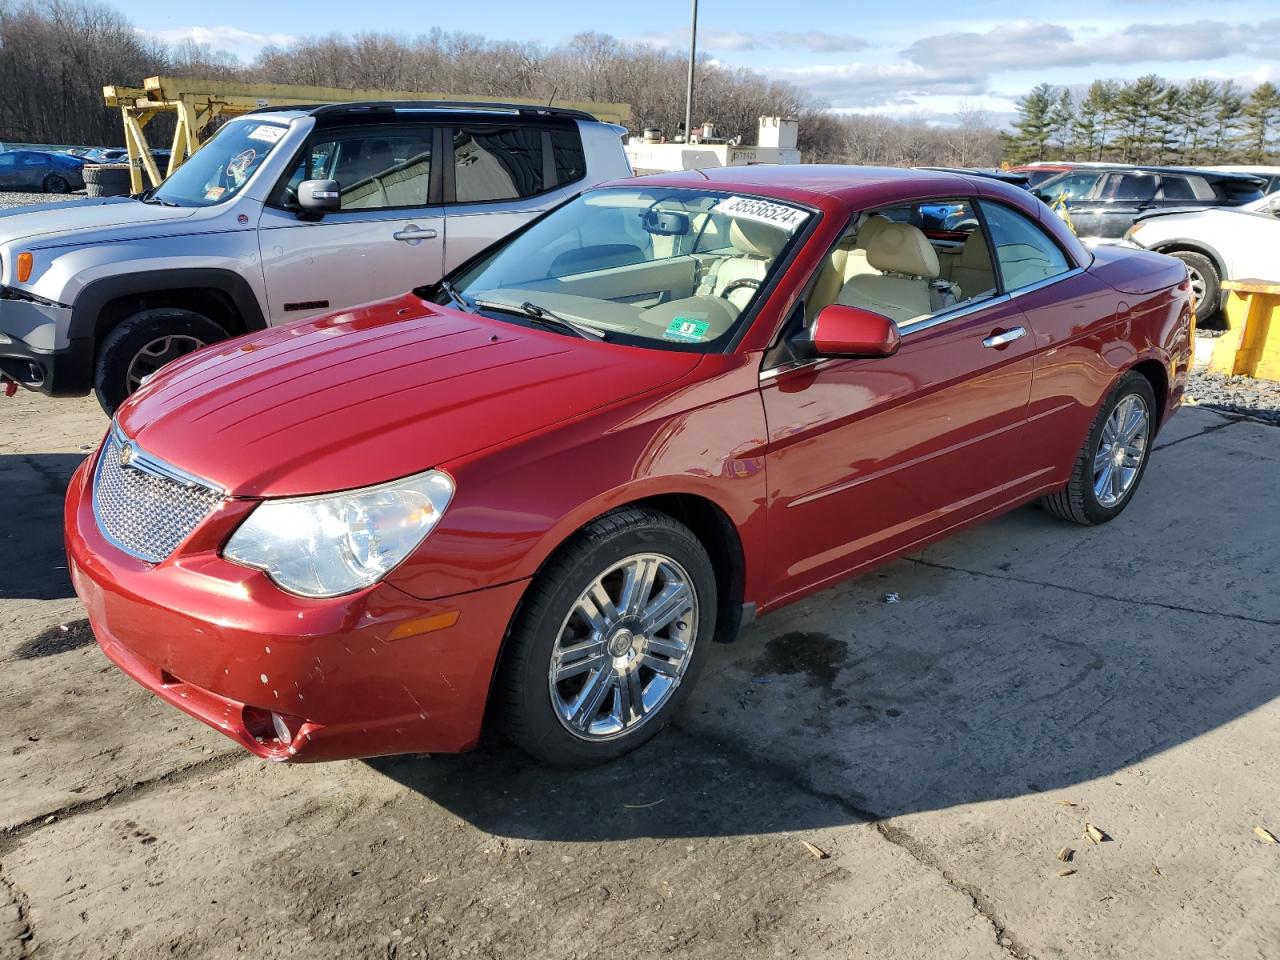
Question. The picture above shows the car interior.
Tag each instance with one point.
(639, 269)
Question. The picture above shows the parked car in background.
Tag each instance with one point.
(1015, 177)
(540, 490)
(40, 171)
(283, 214)
(1103, 202)
(1041, 170)
(1234, 243)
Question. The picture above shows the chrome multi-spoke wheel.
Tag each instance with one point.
(624, 646)
(609, 639)
(1198, 285)
(1112, 459)
(156, 354)
(1121, 449)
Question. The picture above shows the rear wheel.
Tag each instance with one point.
(142, 344)
(1114, 456)
(56, 184)
(1206, 285)
(609, 640)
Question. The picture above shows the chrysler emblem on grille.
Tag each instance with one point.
(127, 453)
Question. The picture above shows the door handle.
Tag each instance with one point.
(1003, 338)
(414, 234)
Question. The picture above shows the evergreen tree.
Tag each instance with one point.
(1230, 103)
(1061, 119)
(1034, 126)
(1261, 122)
(1196, 118)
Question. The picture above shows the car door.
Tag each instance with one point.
(387, 238)
(499, 176)
(1119, 200)
(9, 169)
(868, 457)
(1072, 318)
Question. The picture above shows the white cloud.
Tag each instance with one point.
(243, 43)
(814, 41)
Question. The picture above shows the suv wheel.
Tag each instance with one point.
(143, 343)
(56, 184)
(609, 640)
(1205, 282)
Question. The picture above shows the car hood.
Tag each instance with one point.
(45, 219)
(373, 394)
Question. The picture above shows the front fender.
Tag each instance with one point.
(516, 506)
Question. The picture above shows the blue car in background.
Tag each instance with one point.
(39, 171)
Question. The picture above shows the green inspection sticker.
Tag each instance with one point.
(686, 330)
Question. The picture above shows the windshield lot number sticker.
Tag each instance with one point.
(686, 330)
(763, 211)
(267, 132)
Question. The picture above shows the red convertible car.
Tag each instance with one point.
(539, 490)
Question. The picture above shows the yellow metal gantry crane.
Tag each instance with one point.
(198, 103)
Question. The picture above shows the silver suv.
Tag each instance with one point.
(284, 214)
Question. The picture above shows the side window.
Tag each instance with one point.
(1176, 188)
(497, 163)
(375, 169)
(1075, 186)
(908, 262)
(1129, 186)
(1025, 253)
(570, 160)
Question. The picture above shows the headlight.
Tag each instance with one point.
(328, 545)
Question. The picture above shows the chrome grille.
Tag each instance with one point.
(143, 505)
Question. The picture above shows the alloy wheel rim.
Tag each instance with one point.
(1197, 283)
(156, 354)
(624, 647)
(1121, 450)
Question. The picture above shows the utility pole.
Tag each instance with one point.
(688, 92)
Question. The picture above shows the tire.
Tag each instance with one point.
(1080, 500)
(1205, 282)
(56, 184)
(131, 349)
(536, 712)
(107, 179)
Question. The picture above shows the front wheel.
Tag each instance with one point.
(1110, 464)
(1206, 285)
(609, 640)
(142, 344)
(56, 184)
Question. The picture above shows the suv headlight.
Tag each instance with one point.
(324, 546)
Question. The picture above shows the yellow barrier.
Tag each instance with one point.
(1251, 345)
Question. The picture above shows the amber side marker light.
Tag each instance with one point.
(24, 266)
(413, 628)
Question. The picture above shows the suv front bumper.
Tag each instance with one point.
(30, 353)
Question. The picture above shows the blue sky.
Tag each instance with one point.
(911, 56)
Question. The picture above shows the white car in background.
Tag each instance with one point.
(1220, 243)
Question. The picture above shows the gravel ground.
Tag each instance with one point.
(17, 198)
(1254, 398)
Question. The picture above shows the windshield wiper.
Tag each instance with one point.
(461, 302)
(149, 198)
(544, 317)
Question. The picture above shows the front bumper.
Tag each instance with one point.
(372, 673)
(30, 334)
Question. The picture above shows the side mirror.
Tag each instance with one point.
(842, 331)
(1273, 206)
(319, 196)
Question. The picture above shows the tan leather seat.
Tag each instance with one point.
(856, 263)
(756, 245)
(972, 270)
(908, 265)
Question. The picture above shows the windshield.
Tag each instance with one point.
(658, 267)
(218, 170)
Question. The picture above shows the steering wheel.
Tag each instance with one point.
(746, 283)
